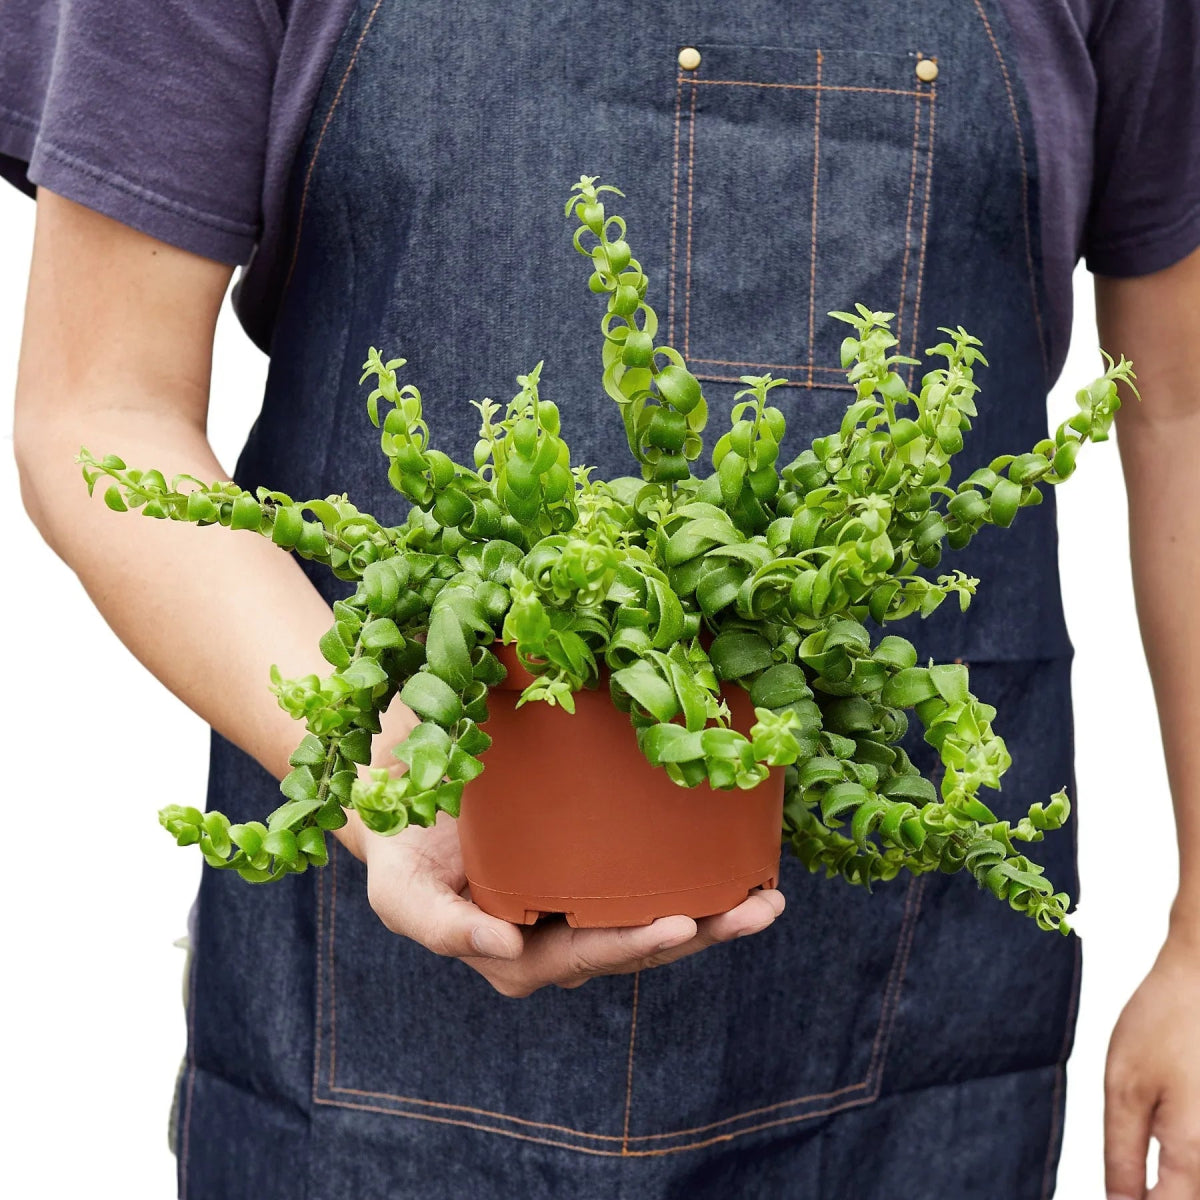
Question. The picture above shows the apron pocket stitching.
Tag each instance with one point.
(818, 88)
(1016, 121)
(624, 1144)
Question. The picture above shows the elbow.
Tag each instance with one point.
(35, 450)
(26, 455)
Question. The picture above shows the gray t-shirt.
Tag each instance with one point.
(184, 119)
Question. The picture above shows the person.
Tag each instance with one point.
(393, 175)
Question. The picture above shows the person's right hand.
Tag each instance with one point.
(417, 887)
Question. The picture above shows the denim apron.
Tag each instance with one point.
(909, 1043)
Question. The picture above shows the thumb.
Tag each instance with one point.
(1127, 1113)
(424, 907)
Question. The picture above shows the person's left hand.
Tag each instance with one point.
(1152, 1081)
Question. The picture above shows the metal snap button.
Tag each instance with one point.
(927, 69)
(689, 58)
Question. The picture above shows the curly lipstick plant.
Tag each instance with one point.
(775, 578)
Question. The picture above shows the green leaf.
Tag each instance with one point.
(291, 814)
(951, 681)
(247, 513)
(1006, 499)
(446, 649)
(381, 634)
(333, 649)
(282, 844)
(916, 788)
(364, 673)
(718, 589)
(895, 652)
(310, 752)
(114, 499)
(696, 537)
(783, 683)
(738, 653)
(311, 842)
(356, 746)
(841, 798)
(908, 688)
(299, 784)
(730, 475)
(382, 587)
(649, 689)
(665, 742)
(431, 698)
(820, 770)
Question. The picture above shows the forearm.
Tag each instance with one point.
(1154, 320)
(206, 611)
(1160, 460)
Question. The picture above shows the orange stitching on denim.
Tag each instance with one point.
(191, 1084)
(687, 291)
(885, 1007)
(1016, 120)
(787, 383)
(1060, 1073)
(320, 981)
(728, 1137)
(637, 975)
(912, 187)
(806, 87)
(603, 1137)
(524, 1137)
(332, 972)
(312, 162)
(916, 323)
(674, 212)
(733, 362)
(479, 1112)
(896, 986)
(817, 88)
(812, 250)
(887, 1013)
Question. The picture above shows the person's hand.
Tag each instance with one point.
(1152, 1081)
(417, 887)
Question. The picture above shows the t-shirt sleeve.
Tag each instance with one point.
(154, 114)
(1145, 203)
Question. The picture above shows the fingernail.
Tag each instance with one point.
(1118, 1196)
(489, 943)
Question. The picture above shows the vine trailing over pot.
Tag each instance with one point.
(775, 578)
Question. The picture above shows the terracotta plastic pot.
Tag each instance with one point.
(568, 817)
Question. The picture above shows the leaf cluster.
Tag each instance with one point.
(664, 587)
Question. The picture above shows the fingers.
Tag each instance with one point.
(756, 913)
(416, 887)
(557, 954)
(1177, 1128)
(1128, 1105)
(414, 899)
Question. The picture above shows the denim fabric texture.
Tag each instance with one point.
(909, 1043)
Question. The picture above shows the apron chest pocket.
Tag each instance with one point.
(800, 184)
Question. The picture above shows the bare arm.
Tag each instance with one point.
(1153, 1077)
(116, 355)
(1155, 321)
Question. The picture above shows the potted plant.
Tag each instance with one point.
(733, 621)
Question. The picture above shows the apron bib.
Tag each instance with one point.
(909, 1042)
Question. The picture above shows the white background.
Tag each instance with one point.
(94, 893)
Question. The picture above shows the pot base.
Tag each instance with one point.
(608, 912)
